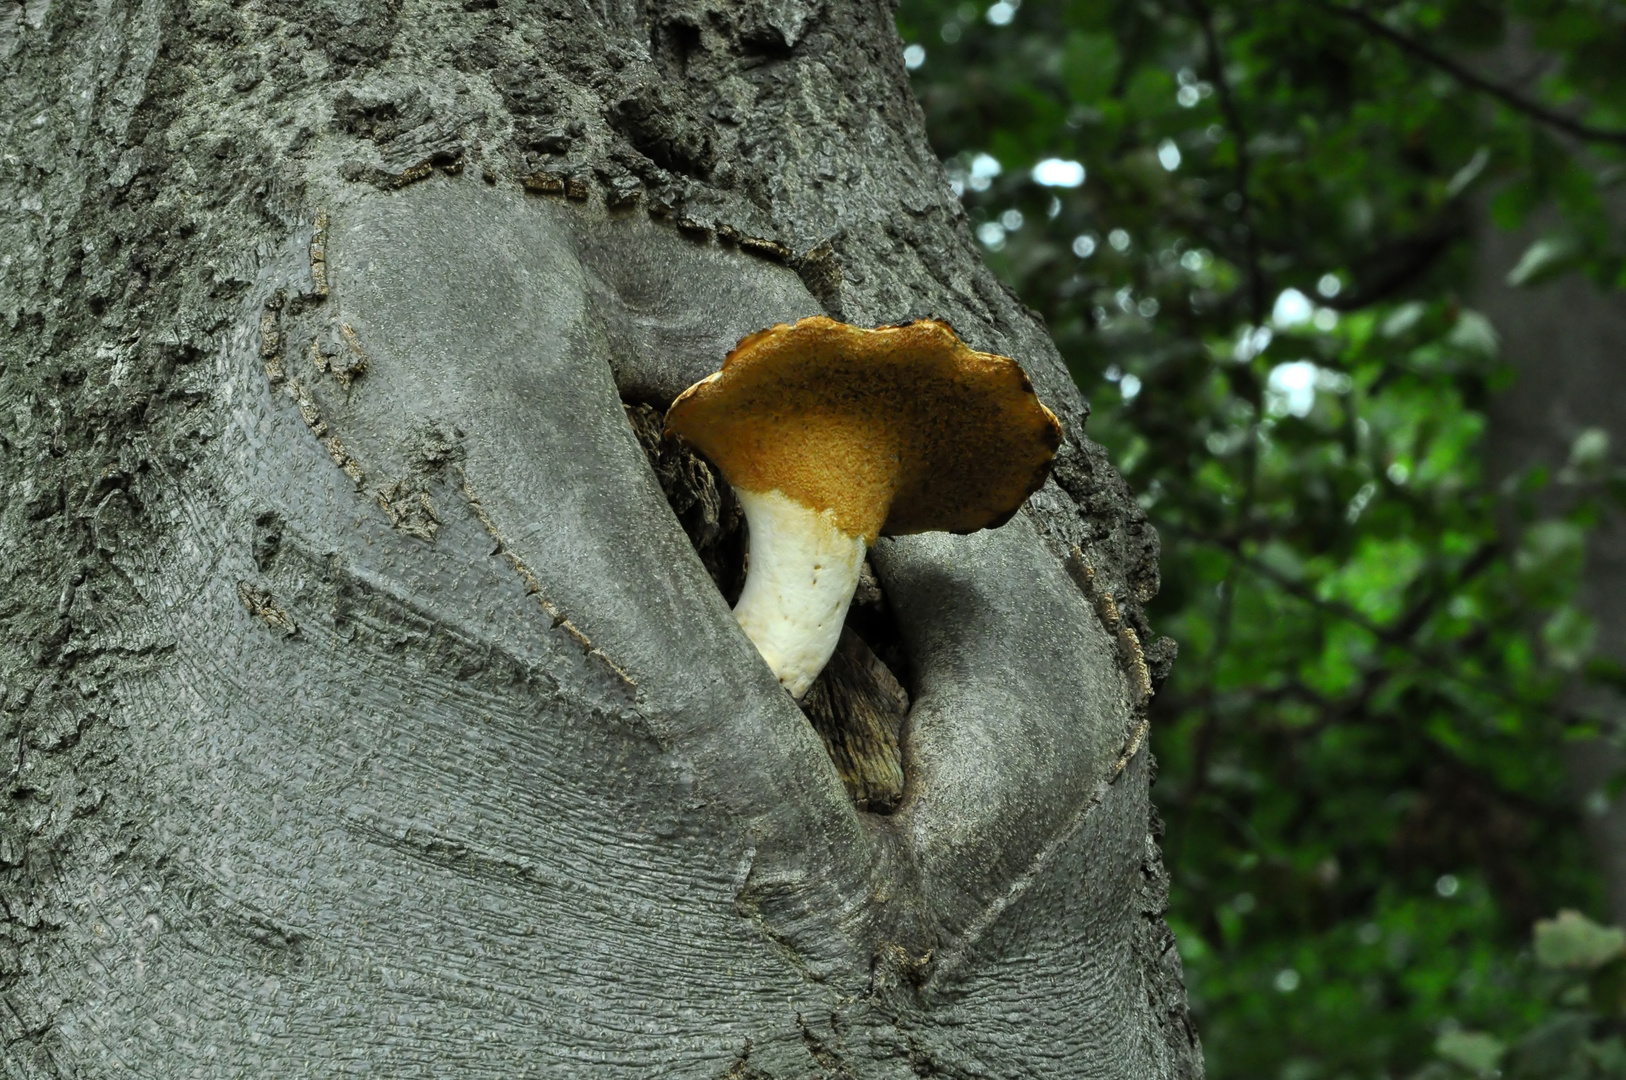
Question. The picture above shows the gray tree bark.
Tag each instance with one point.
(366, 709)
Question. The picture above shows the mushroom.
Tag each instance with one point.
(832, 435)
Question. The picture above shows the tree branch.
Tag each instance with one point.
(1506, 95)
(1382, 273)
(1208, 730)
(1244, 164)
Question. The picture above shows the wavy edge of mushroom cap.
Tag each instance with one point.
(832, 435)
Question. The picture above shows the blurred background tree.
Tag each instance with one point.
(1266, 238)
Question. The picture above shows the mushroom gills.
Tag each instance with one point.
(804, 569)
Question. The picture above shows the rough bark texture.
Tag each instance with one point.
(367, 708)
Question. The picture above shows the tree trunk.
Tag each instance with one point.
(366, 708)
(1563, 342)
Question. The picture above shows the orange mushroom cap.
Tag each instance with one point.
(901, 429)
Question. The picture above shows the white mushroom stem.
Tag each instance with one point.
(802, 574)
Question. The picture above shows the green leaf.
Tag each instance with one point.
(1546, 259)
(1475, 1051)
(1403, 320)
(1569, 634)
(1574, 942)
(1474, 333)
(1089, 66)
(1468, 173)
(1590, 449)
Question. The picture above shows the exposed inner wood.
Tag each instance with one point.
(702, 500)
(858, 708)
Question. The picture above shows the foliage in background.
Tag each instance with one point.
(1583, 977)
(1248, 227)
